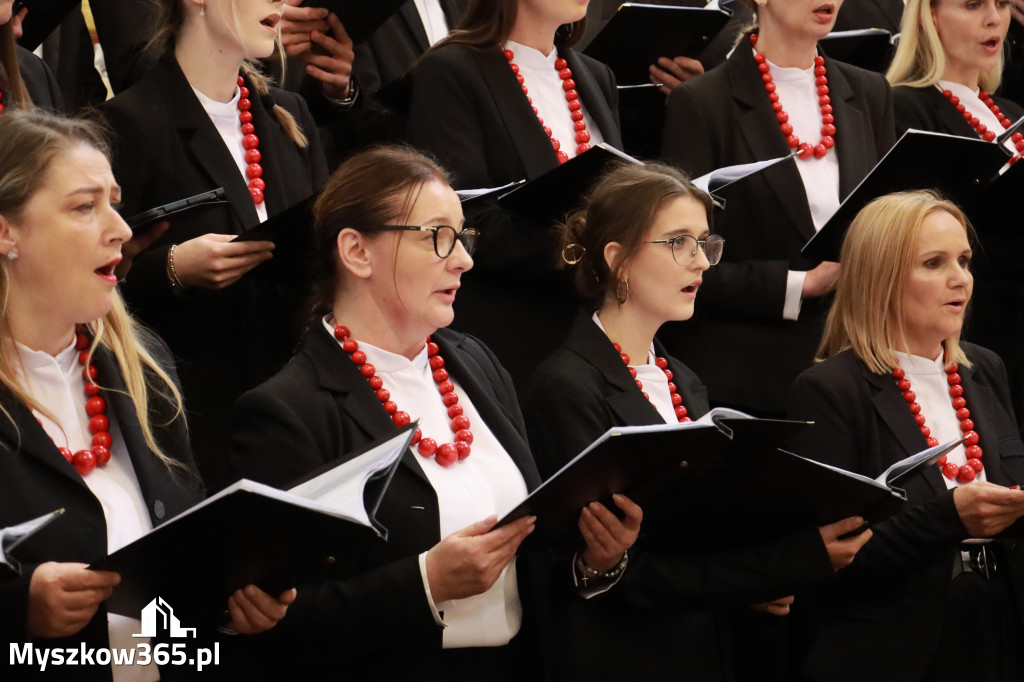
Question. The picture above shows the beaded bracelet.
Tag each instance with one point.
(587, 572)
(171, 274)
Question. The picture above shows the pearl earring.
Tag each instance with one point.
(12, 255)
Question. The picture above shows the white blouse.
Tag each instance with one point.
(654, 380)
(57, 383)
(485, 483)
(435, 25)
(928, 380)
(224, 116)
(545, 86)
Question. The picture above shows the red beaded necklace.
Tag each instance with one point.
(662, 364)
(254, 171)
(967, 472)
(828, 128)
(85, 461)
(571, 96)
(446, 454)
(980, 128)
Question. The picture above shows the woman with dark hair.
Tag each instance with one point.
(774, 96)
(506, 98)
(895, 379)
(392, 248)
(641, 247)
(91, 418)
(203, 118)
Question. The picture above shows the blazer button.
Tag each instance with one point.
(158, 509)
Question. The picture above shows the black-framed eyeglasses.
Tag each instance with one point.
(684, 248)
(445, 236)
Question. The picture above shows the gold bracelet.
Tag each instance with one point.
(171, 274)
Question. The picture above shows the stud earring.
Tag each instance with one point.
(12, 255)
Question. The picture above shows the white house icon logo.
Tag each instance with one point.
(168, 622)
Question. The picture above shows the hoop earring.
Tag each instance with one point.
(622, 291)
(12, 255)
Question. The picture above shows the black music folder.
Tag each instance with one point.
(868, 48)
(548, 198)
(724, 477)
(292, 233)
(43, 18)
(250, 533)
(958, 167)
(147, 219)
(360, 17)
(12, 536)
(638, 34)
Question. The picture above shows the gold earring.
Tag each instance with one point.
(622, 291)
(572, 253)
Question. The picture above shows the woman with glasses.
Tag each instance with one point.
(445, 590)
(773, 97)
(933, 596)
(641, 247)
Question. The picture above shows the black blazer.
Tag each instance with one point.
(316, 410)
(166, 148)
(40, 82)
(891, 600)
(37, 480)
(469, 111)
(661, 611)
(738, 341)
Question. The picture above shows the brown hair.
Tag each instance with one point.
(621, 207)
(31, 141)
(9, 72)
(377, 186)
(169, 20)
(487, 24)
(877, 256)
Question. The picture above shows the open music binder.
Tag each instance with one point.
(958, 167)
(291, 230)
(638, 34)
(724, 478)
(254, 533)
(12, 536)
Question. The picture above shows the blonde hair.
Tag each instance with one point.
(31, 141)
(877, 256)
(170, 18)
(920, 59)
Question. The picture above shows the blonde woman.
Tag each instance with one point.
(202, 118)
(929, 597)
(948, 64)
(91, 417)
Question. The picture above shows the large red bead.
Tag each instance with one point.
(257, 183)
(932, 441)
(252, 155)
(245, 117)
(909, 396)
(959, 402)
(579, 125)
(971, 438)
(668, 374)
(565, 74)
(782, 117)
(828, 141)
(904, 384)
(367, 369)
(464, 435)
(102, 455)
(555, 144)
(83, 461)
(416, 437)
(680, 411)
(828, 130)
(793, 141)
(390, 406)
(660, 363)
(445, 387)
(102, 439)
(248, 129)
(95, 405)
(257, 195)
(956, 391)
(966, 424)
(427, 447)
(463, 449)
(432, 349)
(950, 470)
(244, 105)
(341, 333)
(963, 413)
(976, 465)
(447, 455)
(460, 422)
(400, 418)
(571, 95)
(90, 373)
(450, 399)
(953, 379)
(99, 423)
(898, 373)
(919, 418)
(383, 395)
(560, 64)
(375, 382)
(787, 129)
(576, 115)
(359, 357)
(915, 408)
(973, 452)
(254, 170)
(436, 362)
(250, 141)
(440, 375)
(677, 400)
(568, 84)
(925, 431)
(988, 136)
(966, 474)
(820, 151)
(81, 342)
(639, 384)
(582, 137)
(575, 105)
(67, 454)
(805, 150)
(454, 411)
(92, 389)
(671, 387)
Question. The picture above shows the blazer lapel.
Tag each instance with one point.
(414, 24)
(852, 134)
(892, 408)
(353, 395)
(26, 438)
(203, 141)
(532, 144)
(628, 403)
(760, 130)
(948, 115)
(457, 361)
(593, 99)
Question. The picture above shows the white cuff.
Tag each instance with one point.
(794, 290)
(438, 618)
